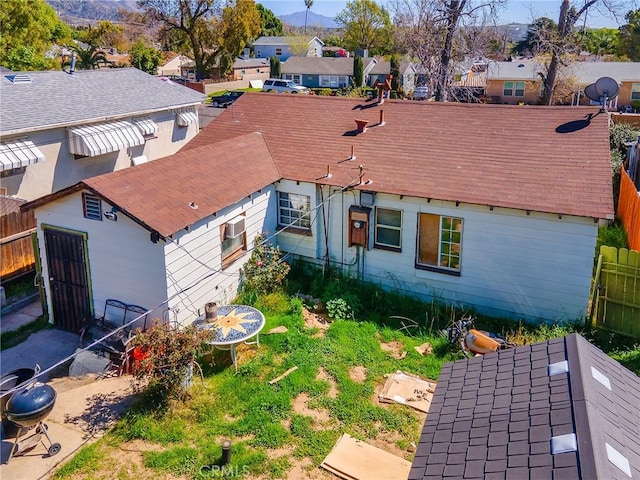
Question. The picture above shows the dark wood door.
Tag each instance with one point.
(68, 279)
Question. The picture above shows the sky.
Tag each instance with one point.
(514, 12)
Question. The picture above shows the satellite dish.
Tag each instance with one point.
(590, 91)
(607, 87)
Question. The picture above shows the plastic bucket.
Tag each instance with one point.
(21, 376)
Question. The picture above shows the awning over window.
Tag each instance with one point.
(187, 118)
(103, 138)
(19, 153)
(146, 125)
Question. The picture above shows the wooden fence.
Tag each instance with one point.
(16, 244)
(629, 210)
(616, 291)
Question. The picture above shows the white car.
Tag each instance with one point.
(283, 86)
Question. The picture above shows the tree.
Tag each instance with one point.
(239, 25)
(144, 57)
(275, 67)
(88, 58)
(358, 71)
(271, 26)
(537, 35)
(366, 24)
(630, 36)
(308, 4)
(29, 30)
(563, 39)
(601, 41)
(431, 32)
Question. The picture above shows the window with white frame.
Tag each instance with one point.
(439, 242)
(635, 91)
(388, 229)
(334, 81)
(294, 210)
(513, 89)
(92, 206)
(295, 77)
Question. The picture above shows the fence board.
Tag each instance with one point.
(629, 210)
(618, 291)
(17, 255)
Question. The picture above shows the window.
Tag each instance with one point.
(234, 240)
(513, 89)
(278, 51)
(92, 206)
(334, 81)
(293, 210)
(439, 242)
(635, 91)
(296, 78)
(388, 229)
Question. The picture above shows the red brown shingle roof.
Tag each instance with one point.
(498, 155)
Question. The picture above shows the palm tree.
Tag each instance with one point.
(308, 4)
(87, 58)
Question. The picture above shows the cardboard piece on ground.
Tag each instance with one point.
(280, 329)
(408, 389)
(424, 349)
(356, 460)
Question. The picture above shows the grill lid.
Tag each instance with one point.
(31, 403)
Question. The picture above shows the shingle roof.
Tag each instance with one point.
(157, 194)
(496, 155)
(321, 65)
(10, 204)
(55, 98)
(494, 416)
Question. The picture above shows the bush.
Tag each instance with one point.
(339, 309)
(265, 272)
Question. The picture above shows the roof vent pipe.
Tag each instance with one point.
(353, 154)
(72, 68)
(381, 122)
(361, 126)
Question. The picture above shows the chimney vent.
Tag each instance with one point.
(381, 122)
(361, 126)
(72, 68)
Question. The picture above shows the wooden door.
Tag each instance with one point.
(68, 278)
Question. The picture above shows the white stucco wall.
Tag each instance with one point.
(123, 262)
(60, 169)
(515, 265)
(197, 254)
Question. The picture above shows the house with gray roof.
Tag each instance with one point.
(285, 47)
(521, 81)
(560, 409)
(332, 72)
(58, 128)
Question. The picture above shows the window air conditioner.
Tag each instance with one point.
(234, 228)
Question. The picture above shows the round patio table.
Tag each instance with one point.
(235, 324)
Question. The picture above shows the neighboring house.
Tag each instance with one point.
(173, 64)
(251, 68)
(483, 206)
(330, 72)
(407, 79)
(521, 81)
(472, 83)
(58, 128)
(560, 409)
(285, 47)
(187, 220)
(476, 205)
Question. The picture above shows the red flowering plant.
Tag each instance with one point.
(266, 271)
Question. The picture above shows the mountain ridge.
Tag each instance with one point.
(296, 19)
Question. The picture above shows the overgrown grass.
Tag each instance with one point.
(260, 418)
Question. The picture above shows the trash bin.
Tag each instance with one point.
(7, 382)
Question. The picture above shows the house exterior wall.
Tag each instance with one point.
(495, 88)
(123, 262)
(534, 267)
(268, 51)
(60, 169)
(173, 67)
(203, 242)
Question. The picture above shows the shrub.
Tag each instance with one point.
(339, 309)
(265, 272)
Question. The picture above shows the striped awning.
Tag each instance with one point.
(146, 125)
(19, 153)
(103, 138)
(187, 118)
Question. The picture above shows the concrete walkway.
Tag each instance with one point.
(24, 316)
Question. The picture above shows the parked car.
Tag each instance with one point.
(225, 99)
(420, 93)
(283, 86)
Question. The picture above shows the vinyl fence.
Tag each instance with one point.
(616, 296)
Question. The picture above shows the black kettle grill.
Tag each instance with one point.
(27, 408)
